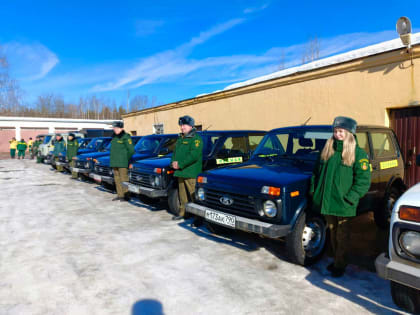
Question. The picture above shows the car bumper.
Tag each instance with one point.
(244, 224)
(103, 179)
(149, 192)
(47, 161)
(397, 271)
(80, 170)
(62, 164)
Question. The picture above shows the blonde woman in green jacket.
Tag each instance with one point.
(340, 179)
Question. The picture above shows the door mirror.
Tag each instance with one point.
(164, 151)
(418, 160)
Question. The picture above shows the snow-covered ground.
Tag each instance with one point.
(66, 248)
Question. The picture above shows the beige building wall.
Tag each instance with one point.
(364, 89)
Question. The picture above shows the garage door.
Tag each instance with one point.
(406, 124)
(5, 135)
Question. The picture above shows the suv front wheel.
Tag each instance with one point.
(306, 242)
(383, 213)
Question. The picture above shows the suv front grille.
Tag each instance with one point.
(240, 203)
(81, 164)
(103, 170)
(140, 178)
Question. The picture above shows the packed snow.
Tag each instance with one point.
(66, 248)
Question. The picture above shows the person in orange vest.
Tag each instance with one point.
(13, 147)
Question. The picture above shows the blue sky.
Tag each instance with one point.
(174, 50)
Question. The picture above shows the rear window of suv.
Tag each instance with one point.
(383, 145)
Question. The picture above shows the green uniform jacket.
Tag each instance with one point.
(337, 188)
(59, 147)
(21, 146)
(72, 147)
(35, 146)
(122, 149)
(189, 155)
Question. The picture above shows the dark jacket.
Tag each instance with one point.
(21, 146)
(337, 188)
(122, 149)
(72, 147)
(59, 147)
(189, 155)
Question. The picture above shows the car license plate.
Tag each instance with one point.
(221, 218)
(97, 178)
(133, 188)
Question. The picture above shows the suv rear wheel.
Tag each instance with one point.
(383, 213)
(306, 243)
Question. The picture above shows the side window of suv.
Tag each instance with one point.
(237, 145)
(362, 139)
(382, 143)
(254, 141)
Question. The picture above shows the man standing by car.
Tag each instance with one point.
(72, 147)
(30, 144)
(122, 149)
(187, 161)
(59, 147)
(21, 148)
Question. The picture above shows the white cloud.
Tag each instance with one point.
(256, 9)
(167, 63)
(29, 62)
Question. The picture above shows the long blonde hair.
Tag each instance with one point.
(349, 148)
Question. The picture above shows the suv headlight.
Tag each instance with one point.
(87, 164)
(110, 172)
(201, 194)
(410, 243)
(155, 181)
(270, 209)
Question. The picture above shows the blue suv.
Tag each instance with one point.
(153, 178)
(268, 195)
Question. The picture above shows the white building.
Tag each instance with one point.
(26, 127)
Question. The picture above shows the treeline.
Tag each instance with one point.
(91, 107)
(12, 102)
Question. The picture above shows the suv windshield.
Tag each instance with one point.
(299, 144)
(147, 144)
(92, 144)
(83, 143)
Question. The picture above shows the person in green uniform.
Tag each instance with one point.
(122, 149)
(72, 147)
(35, 148)
(187, 161)
(21, 148)
(13, 147)
(59, 148)
(340, 179)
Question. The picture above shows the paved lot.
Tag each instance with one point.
(66, 248)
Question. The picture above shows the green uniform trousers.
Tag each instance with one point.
(21, 154)
(186, 189)
(340, 237)
(120, 175)
(72, 164)
(59, 167)
(12, 153)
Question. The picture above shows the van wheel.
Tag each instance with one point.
(173, 200)
(383, 213)
(405, 297)
(306, 242)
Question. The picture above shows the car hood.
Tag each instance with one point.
(258, 175)
(153, 163)
(410, 198)
(105, 160)
(83, 151)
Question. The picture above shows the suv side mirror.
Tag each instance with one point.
(418, 160)
(164, 151)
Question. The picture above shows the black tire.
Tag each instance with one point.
(382, 214)
(405, 297)
(173, 200)
(302, 248)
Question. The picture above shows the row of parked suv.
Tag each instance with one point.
(257, 182)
